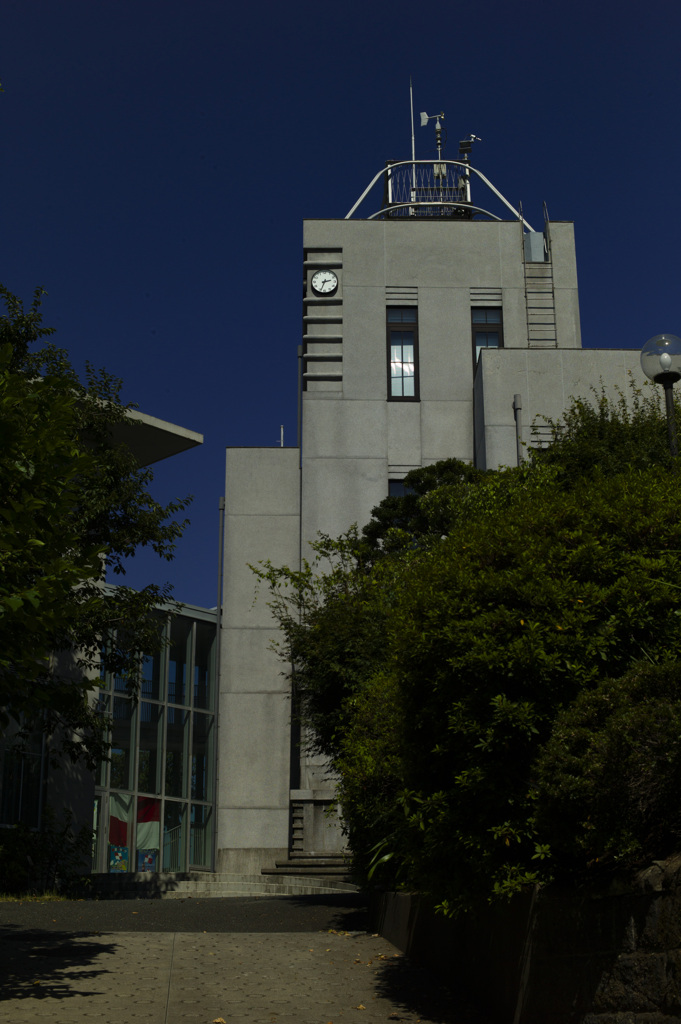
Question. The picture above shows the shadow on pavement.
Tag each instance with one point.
(349, 913)
(232, 914)
(34, 964)
(414, 990)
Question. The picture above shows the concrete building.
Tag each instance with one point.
(432, 328)
(154, 799)
(153, 802)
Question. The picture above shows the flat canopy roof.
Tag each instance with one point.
(151, 439)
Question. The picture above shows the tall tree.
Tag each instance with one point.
(74, 506)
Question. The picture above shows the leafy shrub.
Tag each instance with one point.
(608, 777)
(603, 437)
(39, 862)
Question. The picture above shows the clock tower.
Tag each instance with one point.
(437, 323)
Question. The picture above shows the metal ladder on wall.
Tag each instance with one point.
(540, 298)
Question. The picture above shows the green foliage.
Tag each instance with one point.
(40, 862)
(514, 614)
(400, 522)
(607, 780)
(433, 653)
(605, 436)
(74, 505)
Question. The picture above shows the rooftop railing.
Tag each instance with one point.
(432, 188)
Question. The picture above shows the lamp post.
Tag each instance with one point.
(661, 361)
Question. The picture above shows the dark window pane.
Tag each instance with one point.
(487, 339)
(203, 664)
(151, 675)
(120, 684)
(180, 635)
(486, 316)
(405, 315)
(176, 741)
(120, 743)
(149, 764)
(201, 757)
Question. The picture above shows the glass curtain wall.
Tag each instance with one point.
(154, 801)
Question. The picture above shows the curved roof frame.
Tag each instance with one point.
(455, 163)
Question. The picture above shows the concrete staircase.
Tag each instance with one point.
(272, 882)
(298, 876)
(302, 865)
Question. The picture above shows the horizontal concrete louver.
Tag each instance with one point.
(482, 296)
(541, 434)
(396, 295)
(323, 325)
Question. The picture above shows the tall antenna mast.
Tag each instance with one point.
(413, 141)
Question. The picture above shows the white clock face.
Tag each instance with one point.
(324, 282)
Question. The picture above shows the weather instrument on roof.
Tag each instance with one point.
(437, 187)
(425, 118)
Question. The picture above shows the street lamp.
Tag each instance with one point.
(661, 361)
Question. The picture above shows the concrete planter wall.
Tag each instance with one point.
(557, 957)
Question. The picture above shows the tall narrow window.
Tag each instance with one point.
(402, 353)
(488, 330)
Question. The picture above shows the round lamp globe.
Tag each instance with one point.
(661, 358)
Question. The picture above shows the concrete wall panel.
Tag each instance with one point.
(251, 539)
(563, 257)
(404, 433)
(442, 254)
(339, 492)
(514, 311)
(261, 828)
(351, 429)
(567, 318)
(262, 481)
(447, 431)
(254, 750)
(365, 360)
(445, 344)
(248, 661)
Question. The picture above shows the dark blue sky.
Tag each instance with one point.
(158, 158)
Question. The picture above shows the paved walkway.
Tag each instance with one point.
(140, 967)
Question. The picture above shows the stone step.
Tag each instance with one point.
(227, 882)
(255, 889)
(205, 885)
(308, 872)
(312, 867)
(332, 861)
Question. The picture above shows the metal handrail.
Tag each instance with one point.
(429, 204)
